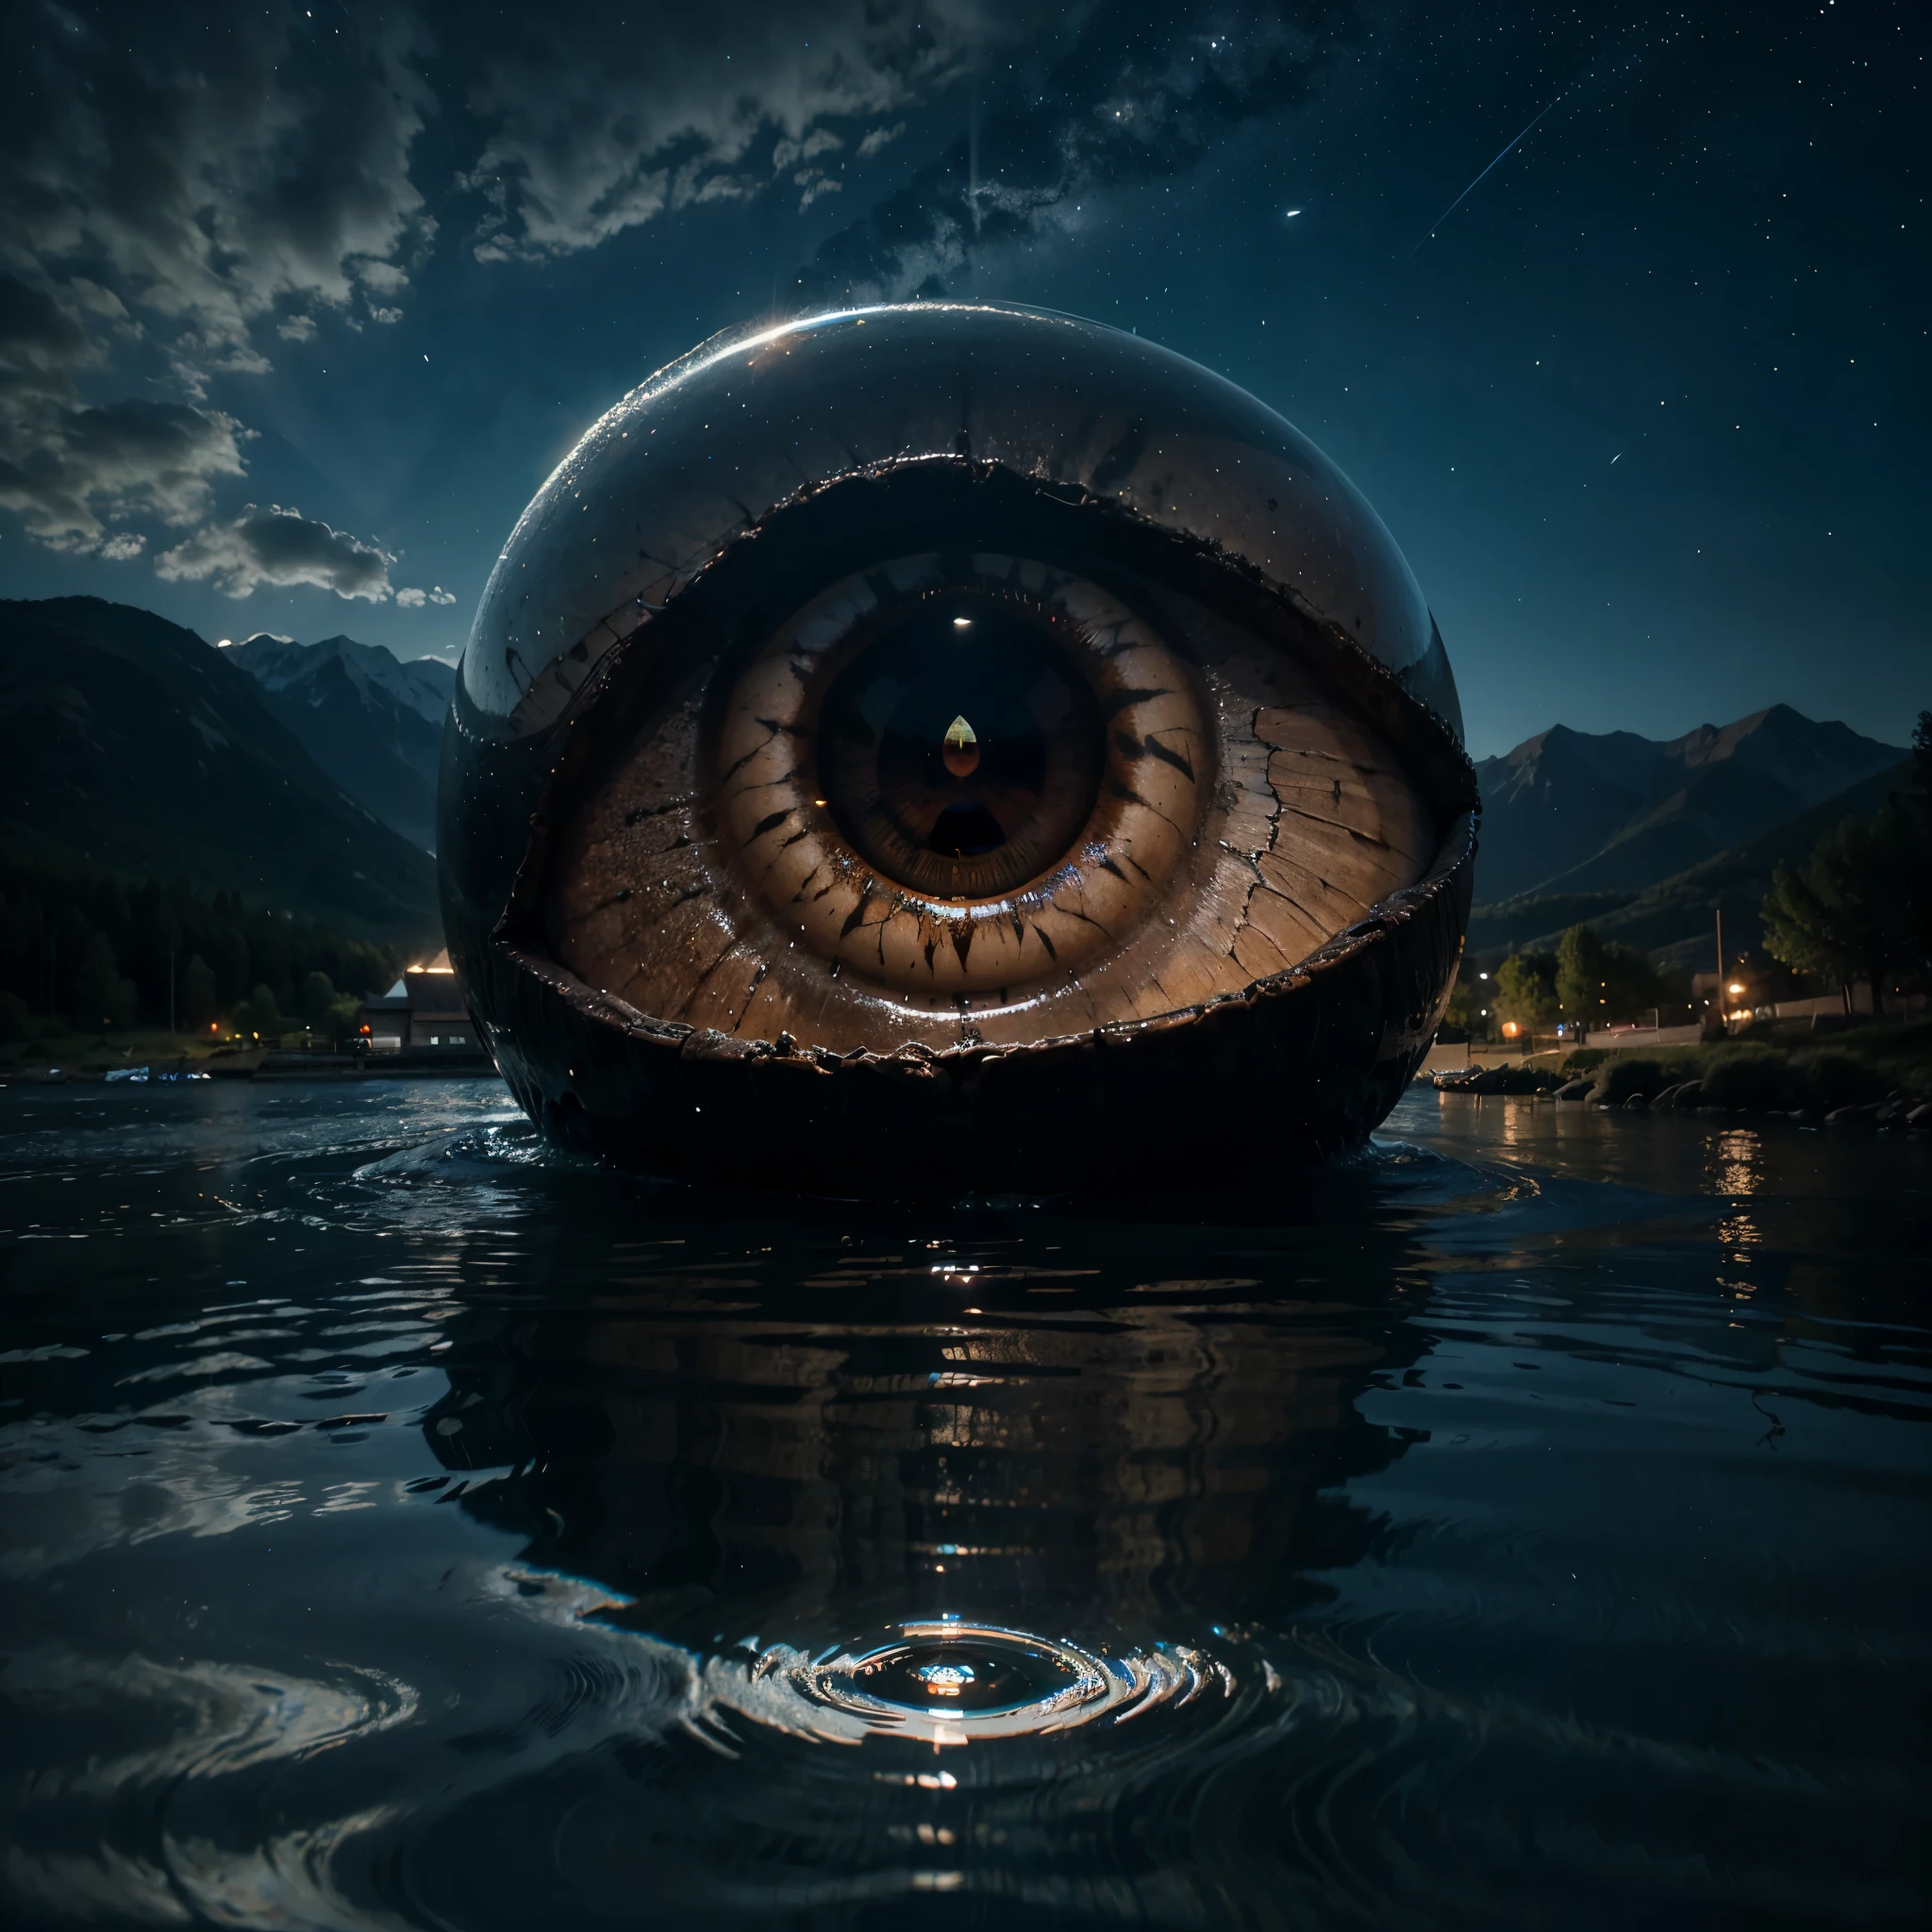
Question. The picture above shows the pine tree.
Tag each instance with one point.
(1856, 908)
(101, 997)
(196, 1000)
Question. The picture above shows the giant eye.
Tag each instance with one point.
(950, 747)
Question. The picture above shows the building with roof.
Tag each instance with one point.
(422, 1009)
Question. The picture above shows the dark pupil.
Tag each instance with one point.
(961, 759)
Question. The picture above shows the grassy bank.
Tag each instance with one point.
(87, 1056)
(1770, 1074)
(1863, 1064)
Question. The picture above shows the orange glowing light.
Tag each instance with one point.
(1510, 1029)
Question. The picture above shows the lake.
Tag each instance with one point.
(1526, 1523)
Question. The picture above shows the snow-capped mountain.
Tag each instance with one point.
(372, 720)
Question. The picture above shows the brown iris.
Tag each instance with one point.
(956, 808)
(957, 777)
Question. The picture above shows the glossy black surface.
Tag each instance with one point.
(710, 446)
(1524, 1524)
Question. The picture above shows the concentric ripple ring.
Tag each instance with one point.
(948, 1681)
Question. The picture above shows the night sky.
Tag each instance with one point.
(1647, 408)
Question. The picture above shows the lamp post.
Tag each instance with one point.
(1717, 992)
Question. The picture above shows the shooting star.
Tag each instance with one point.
(1472, 188)
(1291, 214)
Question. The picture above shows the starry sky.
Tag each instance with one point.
(300, 303)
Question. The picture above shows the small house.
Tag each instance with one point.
(424, 1010)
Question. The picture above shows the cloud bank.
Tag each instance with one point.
(188, 191)
(607, 116)
(172, 181)
(218, 165)
(65, 464)
(279, 547)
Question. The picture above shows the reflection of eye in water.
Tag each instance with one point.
(1262, 1545)
(1076, 1437)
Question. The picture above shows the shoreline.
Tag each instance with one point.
(1878, 1073)
(258, 1064)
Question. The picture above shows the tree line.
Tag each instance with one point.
(100, 956)
(1858, 908)
(1586, 981)
(1861, 905)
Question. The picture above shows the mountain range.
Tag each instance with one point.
(1572, 812)
(372, 722)
(132, 745)
(1647, 840)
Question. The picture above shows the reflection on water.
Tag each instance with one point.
(402, 1525)
(1734, 1171)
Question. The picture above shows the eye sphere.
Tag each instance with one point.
(936, 748)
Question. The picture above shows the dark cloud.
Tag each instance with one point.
(188, 191)
(1115, 96)
(608, 118)
(604, 117)
(172, 182)
(215, 166)
(65, 464)
(122, 458)
(34, 331)
(279, 547)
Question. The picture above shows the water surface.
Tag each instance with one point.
(1525, 1524)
